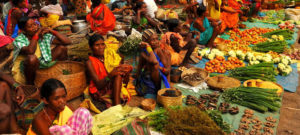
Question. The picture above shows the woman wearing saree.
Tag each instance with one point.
(101, 18)
(229, 16)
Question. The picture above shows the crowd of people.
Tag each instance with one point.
(165, 43)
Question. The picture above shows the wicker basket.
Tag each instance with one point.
(222, 83)
(75, 81)
(204, 74)
(148, 104)
(30, 91)
(169, 101)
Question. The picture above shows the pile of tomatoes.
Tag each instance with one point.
(220, 65)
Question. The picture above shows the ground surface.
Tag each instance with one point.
(290, 111)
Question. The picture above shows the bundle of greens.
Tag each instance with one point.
(263, 71)
(130, 46)
(217, 117)
(275, 46)
(158, 119)
(287, 34)
(191, 121)
(253, 97)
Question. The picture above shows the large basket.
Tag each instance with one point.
(169, 101)
(30, 91)
(222, 83)
(75, 81)
(204, 74)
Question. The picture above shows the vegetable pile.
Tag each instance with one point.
(263, 71)
(259, 99)
(192, 121)
(186, 120)
(220, 65)
(287, 34)
(240, 40)
(275, 46)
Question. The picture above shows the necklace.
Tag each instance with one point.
(50, 120)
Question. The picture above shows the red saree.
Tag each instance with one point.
(105, 94)
(101, 26)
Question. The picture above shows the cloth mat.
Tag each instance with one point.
(233, 120)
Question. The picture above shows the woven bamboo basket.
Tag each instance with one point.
(148, 104)
(222, 83)
(75, 81)
(169, 101)
(30, 91)
(204, 74)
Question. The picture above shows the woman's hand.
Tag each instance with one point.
(115, 72)
(20, 95)
(144, 45)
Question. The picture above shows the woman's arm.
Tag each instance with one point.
(199, 25)
(100, 84)
(30, 49)
(60, 38)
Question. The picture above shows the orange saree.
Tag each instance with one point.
(101, 26)
(229, 20)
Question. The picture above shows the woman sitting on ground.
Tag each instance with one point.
(57, 117)
(208, 31)
(142, 20)
(179, 44)
(154, 66)
(8, 123)
(106, 83)
(51, 13)
(32, 49)
(229, 16)
(101, 18)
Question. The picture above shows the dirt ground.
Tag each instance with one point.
(289, 123)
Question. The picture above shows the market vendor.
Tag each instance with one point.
(229, 16)
(101, 18)
(8, 123)
(154, 66)
(179, 44)
(208, 28)
(15, 13)
(51, 13)
(142, 20)
(56, 117)
(106, 82)
(32, 49)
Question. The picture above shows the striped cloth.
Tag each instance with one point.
(80, 123)
(26, 112)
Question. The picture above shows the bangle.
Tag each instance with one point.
(149, 49)
(107, 79)
(16, 85)
(35, 37)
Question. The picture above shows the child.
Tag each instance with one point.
(179, 47)
(154, 66)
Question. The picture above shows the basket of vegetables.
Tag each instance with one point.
(222, 82)
(169, 97)
(194, 76)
